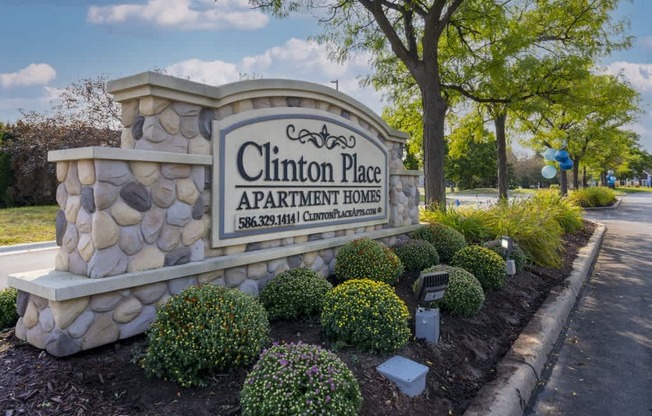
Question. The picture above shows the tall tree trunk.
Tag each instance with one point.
(584, 180)
(501, 148)
(563, 182)
(576, 173)
(434, 111)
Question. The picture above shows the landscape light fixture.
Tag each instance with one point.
(337, 84)
(508, 244)
(430, 288)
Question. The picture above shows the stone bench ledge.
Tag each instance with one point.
(112, 153)
(59, 286)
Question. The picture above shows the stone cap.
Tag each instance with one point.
(112, 153)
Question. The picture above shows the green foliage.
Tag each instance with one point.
(8, 315)
(300, 379)
(27, 224)
(487, 266)
(446, 239)
(567, 215)
(464, 295)
(468, 221)
(416, 255)
(367, 259)
(294, 293)
(205, 330)
(517, 254)
(593, 197)
(367, 314)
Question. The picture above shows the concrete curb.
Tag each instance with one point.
(20, 248)
(520, 370)
(614, 206)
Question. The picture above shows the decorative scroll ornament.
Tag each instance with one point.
(321, 139)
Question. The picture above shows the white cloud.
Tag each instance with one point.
(207, 72)
(639, 75)
(183, 14)
(33, 74)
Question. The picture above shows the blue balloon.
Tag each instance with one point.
(566, 164)
(548, 172)
(561, 155)
(549, 154)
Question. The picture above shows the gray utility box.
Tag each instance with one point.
(409, 376)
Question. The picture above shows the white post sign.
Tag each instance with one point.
(289, 171)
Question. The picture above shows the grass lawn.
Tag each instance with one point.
(27, 224)
(631, 190)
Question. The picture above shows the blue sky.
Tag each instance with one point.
(47, 44)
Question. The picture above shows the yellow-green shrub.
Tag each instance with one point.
(487, 266)
(367, 259)
(446, 239)
(294, 293)
(464, 295)
(8, 315)
(597, 196)
(416, 255)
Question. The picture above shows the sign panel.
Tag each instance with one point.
(282, 172)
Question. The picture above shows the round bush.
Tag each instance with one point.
(294, 293)
(446, 240)
(487, 266)
(8, 315)
(367, 314)
(367, 259)
(517, 254)
(300, 379)
(416, 255)
(205, 330)
(464, 295)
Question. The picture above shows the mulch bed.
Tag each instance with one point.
(107, 381)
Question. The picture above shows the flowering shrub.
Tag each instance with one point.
(487, 266)
(204, 330)
(368, 259)
(517, 254)
(366, 313)
(464, 295)
(8, 315)
(446, 240)
(416, 255)
(295, 293)
(300, 379)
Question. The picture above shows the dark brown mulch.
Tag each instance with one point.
(107, 381)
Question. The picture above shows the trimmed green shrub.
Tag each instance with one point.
(517, 254)
(8, 314)
(205, 330)
(295, 293)
(300, 379)
(416, 255)
(446, 239)
(367, 314)
(487, 266)
(464, 295)
(597, 196)
(367, 259)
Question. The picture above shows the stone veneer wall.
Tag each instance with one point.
(142, 212)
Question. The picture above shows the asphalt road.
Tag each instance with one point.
(604, 366)
(24, 261)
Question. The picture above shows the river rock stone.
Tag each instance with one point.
(72, 207)
(22, 300)
(137, 128)
(86, 172)
(153, 131)
(85, 247)
(233, 277)
(249, 287)
(70, 238)
(131, 240)
(81, 324)
(61, 260)
(136, 196)
(199, 146)
(148, 258)
(170, 121)
(127, 310)
(105, 301)
(115, 172)
(179, 255)
(152, 223)
(139, 324)
(309, 258)
(179, 214)
(206, 117)
(65, 312)
(62, 195)
(145, 172)
(129, 112)
(175, 170)
(148, 294)
(187, 191)
(224, 111)
(104, 194)
(189, 127)
(262, 102)
(123, 214)
(185, 109)
(199, 177)
(73, 186)
(197, 251)
(37, 337)
(277, 266)
(208, 277)
(152, 105)
(105, 231)
(197, 211)
(60, 344)
(170, 237)
(164, 192)
(30, 318)
(88, 199)
(60, 224)
(294, 261)
(76, 265)
(62, 171)
(108, 262)
(192, 232)
(101, 332)
(257, 271)
(177, 286)
(46, 320)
